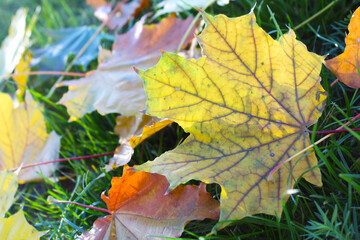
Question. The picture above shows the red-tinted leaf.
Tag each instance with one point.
(142, 208)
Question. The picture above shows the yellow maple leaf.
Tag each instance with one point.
(23, 138)
(21, 80)
(247, 105)
(14, 227)
(8, 188)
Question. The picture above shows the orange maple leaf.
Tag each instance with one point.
(141, 207)
(345, 66)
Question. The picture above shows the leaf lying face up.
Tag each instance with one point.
(247, 105)
(142, 209)
(8, 188)
(346, 65)
(114, 86)
(23, 138)
(16, 226)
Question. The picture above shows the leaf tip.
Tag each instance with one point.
(136, 70)
(162, 51)
(270, 177)
(326, 55)
(252, 9)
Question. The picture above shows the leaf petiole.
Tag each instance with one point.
(81, 205)
(63, 160)
(335, 131)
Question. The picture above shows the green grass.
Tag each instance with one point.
(332, 211)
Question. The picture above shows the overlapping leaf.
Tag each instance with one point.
(21, 80)
(141, 208)
(133, 130)
(23, 138)
(114, 86)
(125, 11)
(8, 188)
(346, 66)
(247, 105)
(15, 44)
(169, 6)
(14, 227)
(65, 42)
(148, 131)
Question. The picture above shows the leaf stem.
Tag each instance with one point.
(83, 205)
(270, 176)
(334, 82)
(334, 131)
(315, 15)
(63, 160)
(82, 50)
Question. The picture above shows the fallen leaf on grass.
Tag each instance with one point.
(21, 80)
(247, 104)
(128, 126)
(346, 66)
(148, 131)
(141, 208)
(133, 130)
(15, 43)
(53, 57)
(125, 12)
(14, 227)
(104, 90)
(23, 138)
(114, 87)
(8, 188)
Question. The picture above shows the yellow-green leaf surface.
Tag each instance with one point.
(247, 105)
(16, 227)
(23, 138)
(8, 188)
